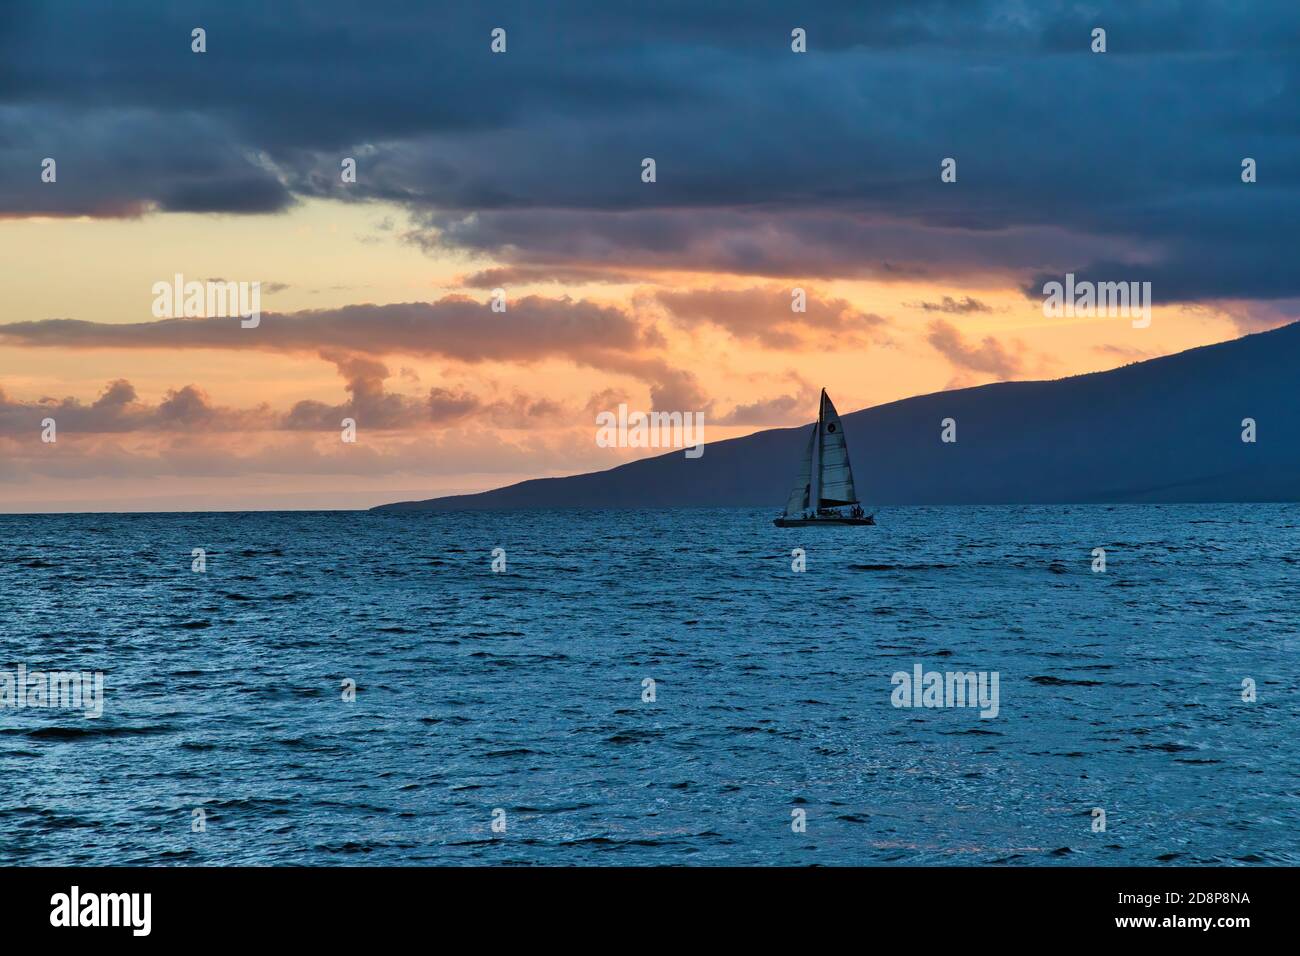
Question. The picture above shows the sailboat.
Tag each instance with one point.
(826, 458)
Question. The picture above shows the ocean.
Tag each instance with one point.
(655, 687)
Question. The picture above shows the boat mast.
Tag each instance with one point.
(816, 497)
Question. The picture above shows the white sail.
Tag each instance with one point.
(798, 501)
(836, 484)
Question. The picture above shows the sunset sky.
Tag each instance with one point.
(522, 170)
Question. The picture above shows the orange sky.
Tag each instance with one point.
(707, 342)
(919, 170)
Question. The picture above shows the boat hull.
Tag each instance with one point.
(806, 522)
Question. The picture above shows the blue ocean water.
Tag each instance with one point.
(522, 691)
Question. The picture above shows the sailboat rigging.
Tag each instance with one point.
(824, 484)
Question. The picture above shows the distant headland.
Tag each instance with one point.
(1217, 423)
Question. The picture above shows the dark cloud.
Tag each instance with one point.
(119, 410)
(115, 161)
(794, 244)
(268, 288)
(505, 276)
(368, 401)
(769, 163)
(1122, 351)
(353, 337)
(767, 316)
(963, 306)
(239, 194)
(302, 455)
(371, 405)
(446, 405)
(1255, 316)
(988, 357)
(186, 408)
(780, 410)
(454, 327)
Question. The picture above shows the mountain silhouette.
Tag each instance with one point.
(1164, 430)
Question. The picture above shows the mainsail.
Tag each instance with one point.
(799, 498)
(835, 487)
(826, 459)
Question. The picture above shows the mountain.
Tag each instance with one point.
(1164, 430)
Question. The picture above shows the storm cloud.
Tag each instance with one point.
(454, 327)
(1123, 165)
